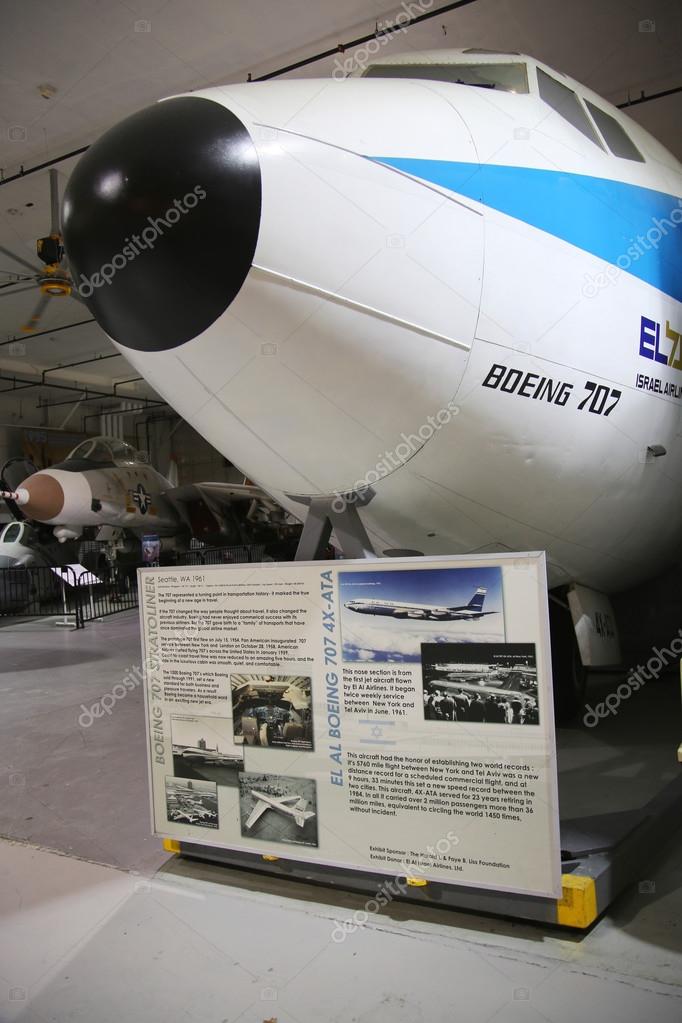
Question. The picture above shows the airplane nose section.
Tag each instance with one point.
(161, 218)
(45, 497)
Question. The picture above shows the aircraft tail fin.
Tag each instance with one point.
(172, 474)
(476, 602)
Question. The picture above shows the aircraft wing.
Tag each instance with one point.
(218, 493)
(257, 813)
(223, 501)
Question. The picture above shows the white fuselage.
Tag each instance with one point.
(288, 806)
(400, 609)
(446, 304)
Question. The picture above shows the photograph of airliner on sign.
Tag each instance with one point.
(277, 808)
(289, 806)
(387, 615)
(470, 612)
(481, 683)
(204, 747)
(190, 801)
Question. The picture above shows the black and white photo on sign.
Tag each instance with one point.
(481, 683)
(272, 711)
(386, 615)
(190, 801)
(278, 808)
(204, 747)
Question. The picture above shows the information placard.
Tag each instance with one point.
(392, 716)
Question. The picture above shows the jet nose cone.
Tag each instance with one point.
(45, 497)
(161, 219)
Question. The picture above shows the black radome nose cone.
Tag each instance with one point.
(161, 220)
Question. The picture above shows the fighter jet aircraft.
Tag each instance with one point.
(23, 543)
(290, 806)
(470, 612)
(105, 483)
(21, 546)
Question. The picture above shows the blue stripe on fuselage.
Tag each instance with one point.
(601, 216)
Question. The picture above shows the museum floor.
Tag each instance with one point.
(109, 927)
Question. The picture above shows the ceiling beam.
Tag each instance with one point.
(21, 384)
(41, 333)
(81, 362)
(89, 398)
(21, 173)
(131, 380)
(647, 99)
(342, 47)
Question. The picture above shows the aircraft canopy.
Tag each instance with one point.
(108, 449)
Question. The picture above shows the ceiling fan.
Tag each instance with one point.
(54, 280)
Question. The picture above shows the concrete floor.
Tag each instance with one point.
(151, 937)
(81, 790)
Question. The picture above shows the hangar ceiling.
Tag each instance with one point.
(100, 60)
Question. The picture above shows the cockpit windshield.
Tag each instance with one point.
(12, 532)
(507, 77)
(108, 449)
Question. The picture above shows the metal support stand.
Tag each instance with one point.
(63, 622)
(621, 844)
(93, 617)
(340, 514)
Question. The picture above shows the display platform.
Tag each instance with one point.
(602, 855)
(457, 690)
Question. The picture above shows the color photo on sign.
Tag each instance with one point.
(388, 616)
(272, 711)
(480, 683)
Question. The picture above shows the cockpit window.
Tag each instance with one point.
(615, 136)
(96, 450)
(108, 449)
(11, 533)
(502, 77)
(566, 103)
